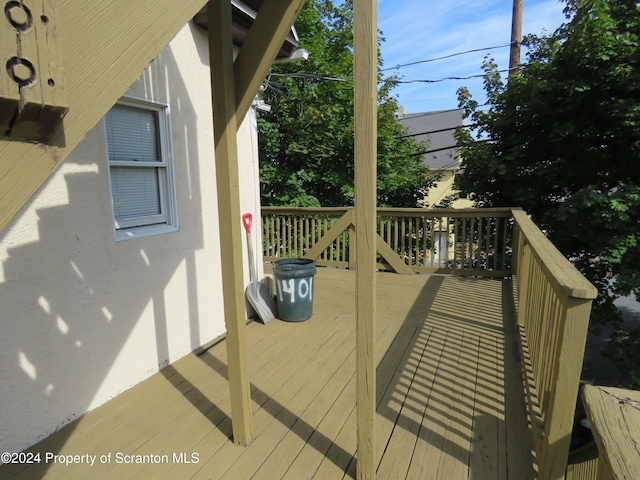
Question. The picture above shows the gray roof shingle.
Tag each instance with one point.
(436, 129)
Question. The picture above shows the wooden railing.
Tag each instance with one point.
(466, 242)
(553, 307)
(292, 232)
(583, 464)
(552, 299)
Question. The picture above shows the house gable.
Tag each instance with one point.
(436, 130)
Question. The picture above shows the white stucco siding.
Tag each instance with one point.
(83, 317)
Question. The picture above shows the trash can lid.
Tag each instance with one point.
(295, 264)
(294, 261)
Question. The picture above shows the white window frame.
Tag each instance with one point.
(167, 220)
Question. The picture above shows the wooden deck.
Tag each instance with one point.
(450, 401)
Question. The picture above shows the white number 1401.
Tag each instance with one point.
(304, 290)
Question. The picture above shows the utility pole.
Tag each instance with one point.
(516, 37)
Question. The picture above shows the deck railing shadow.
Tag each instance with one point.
(448, 390)
(433, 340)
(545, 310)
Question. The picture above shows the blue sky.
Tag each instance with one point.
(417, 30)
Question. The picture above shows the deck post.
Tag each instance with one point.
(552, 461)
(365, 107)
(226, 152)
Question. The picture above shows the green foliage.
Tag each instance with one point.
(624, 350)
(306, 140)
(562, 140)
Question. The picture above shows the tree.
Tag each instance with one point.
(306, 140)
(562, 140)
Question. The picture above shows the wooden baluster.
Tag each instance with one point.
(403, 233)
(473, 243)
(265, 238)
(425, 244)
(418, 238)
(456, 231)
(487, 242)
(332, 248)
(432, 241)
(440, 234)
(272, 244)
(324, 232)
(409, 220)
(290, 236)
(463, 250)
(396, 245)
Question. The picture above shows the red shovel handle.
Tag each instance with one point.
(247, 219)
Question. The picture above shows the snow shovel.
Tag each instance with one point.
(256, 292)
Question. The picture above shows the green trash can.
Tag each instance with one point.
(294, 284)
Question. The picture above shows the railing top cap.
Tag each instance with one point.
(566, 277)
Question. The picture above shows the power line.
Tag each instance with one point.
(445, 148)
(444, 57)
(309, 75)
(424, 152)
(393, 80)
(437, 131)
(427, 114)
(384, 80)
(447, 56)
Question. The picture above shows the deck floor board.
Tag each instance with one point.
(449, 396)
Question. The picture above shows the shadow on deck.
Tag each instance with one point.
(450, 400)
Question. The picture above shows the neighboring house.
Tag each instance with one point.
(437, 129)
(112, 270)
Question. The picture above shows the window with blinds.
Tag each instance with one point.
(138, 143)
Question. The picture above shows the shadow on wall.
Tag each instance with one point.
(78, 308)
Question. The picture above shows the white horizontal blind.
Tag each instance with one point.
(136, 192)
(132, 135)
(133, 144)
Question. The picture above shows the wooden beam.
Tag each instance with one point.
(391, 257)
(365, 107)
(106, 47)
(340, 226)
(259, 50)
(230, 228)
(34, 71)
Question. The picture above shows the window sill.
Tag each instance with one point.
(147, 231)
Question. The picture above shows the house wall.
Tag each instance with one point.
(443, 188)
(84, 317)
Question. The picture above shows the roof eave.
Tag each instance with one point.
(243, 17)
